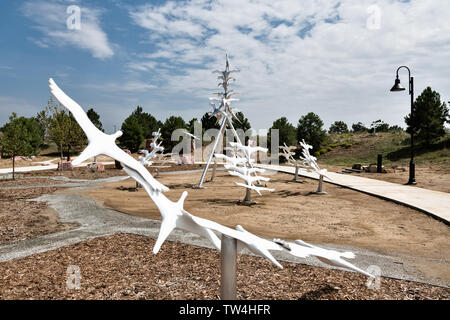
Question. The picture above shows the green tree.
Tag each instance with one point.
(338, 127)
(44, 123)
(58, 125)
(133, 135)
(309, 128)
(95, 119)
(171, 124)
(395, 128)
(192, 123)
(286, 132)
(209, 122)
(17, 139)
(63, 129)
(429, 117)
(379, 126)
(359, 127)
(243, 122)
(148, 122)
(76, 136)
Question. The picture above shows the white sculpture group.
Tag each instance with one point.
(173, 214)
(223, 112)
(240, 166)
(156, 149)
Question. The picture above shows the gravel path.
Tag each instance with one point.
(95, 221)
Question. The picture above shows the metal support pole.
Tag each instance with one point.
(216, 141)
(213, 174)
(228, 263)
(296, 174)
(380, 163)
(320, 187)
(412, 165)
(248, 195)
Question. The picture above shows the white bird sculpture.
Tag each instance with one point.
(330, 257)
(233, 160)
(244, 170)
(172, 213)
(99, 142)
(311, 161)
(156, 134)
(248, 150)
(187, 133)
(248, 178)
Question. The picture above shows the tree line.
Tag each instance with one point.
(27, 136)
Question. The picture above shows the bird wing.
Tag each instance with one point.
(127, 160)
(253, 243)
(80, 116)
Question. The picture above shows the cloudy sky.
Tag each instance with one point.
(335, 58)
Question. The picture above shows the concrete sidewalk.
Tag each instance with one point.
(433, 203)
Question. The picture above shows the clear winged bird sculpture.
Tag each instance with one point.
(99, 142)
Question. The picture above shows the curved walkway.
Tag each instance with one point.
(433, 203)
(95, 221)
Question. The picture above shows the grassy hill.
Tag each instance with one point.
(350, 148)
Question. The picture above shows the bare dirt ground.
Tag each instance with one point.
(110, 171)
(122, 267)
(433, 177)
(343, 217)
(22, 219)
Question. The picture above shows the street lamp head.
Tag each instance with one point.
(397, 86)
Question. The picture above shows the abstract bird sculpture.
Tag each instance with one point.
(173, 214)
(99, 142)
(312, 165)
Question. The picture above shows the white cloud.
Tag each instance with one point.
(50, 18)
(129, 86)
(300, 56)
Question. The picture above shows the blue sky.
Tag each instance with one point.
(335, 58)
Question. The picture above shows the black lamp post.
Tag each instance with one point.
(398, 87)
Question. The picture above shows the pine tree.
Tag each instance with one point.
(133, 135)
(309, 128)
(95, 119)
(429, 117)
(286, 132)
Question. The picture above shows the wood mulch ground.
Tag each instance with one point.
(22, 219)
(28, 181)
(123, 267)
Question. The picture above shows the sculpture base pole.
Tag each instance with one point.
(320, 187)
(248, 198)
(213, 174)
(296, 175)
(228, 263)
